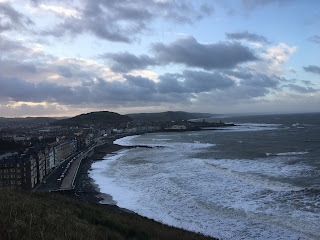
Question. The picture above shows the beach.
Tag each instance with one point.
(85, 188)
(87, 191)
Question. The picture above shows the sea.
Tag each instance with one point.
(259, 179)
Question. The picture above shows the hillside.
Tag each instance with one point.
(25, 121)
(168, 116)
(94, 118)
(49, 216)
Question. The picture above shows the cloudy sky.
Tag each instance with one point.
(62, 58)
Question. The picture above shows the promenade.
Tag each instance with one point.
(54, 182)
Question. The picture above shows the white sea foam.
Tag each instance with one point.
(291, 153)
(245, 127)
(286, 154)
(126, 141)
(162, 142)
(224, 198)
(216, 207)
(161, 139)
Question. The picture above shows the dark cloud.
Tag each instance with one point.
(121, 21)
(10, 19)
(171, 83)
(11, 67)
(312, 69)
(193, 82)
(140, 91)
(198, 81)
(125, 62)
(140, 82)
(10, 45)
(241, 74)
(307, 82)
(207, 56)
(301, 89)
(64, 71)
(136, 90)
(253, 4)
(32, 92)
(262, 81)
(247, 36)
(250, 85)
(206, 9)
(314, 39)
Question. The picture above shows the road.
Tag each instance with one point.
(51, 182)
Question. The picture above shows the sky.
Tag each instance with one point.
(63, 58)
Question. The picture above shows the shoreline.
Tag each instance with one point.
(85, 188)
(87, 191)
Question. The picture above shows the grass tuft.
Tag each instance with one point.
(46, 216)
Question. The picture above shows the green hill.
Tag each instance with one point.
(94, 118)
(37, 216)
(168, 116)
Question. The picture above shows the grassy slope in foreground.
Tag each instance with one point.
(25, 215)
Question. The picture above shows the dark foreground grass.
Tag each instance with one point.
(25, 215)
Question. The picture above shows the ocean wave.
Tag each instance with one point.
(126, 141)
(246, 127)
(286, 154)
(255, 179)
(129, 141)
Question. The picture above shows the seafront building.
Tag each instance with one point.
(46, 148)
(26, 170)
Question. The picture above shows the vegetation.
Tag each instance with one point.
(168, 116)
(6, 146)
(25, 215)
(26, 121)
(94, 118)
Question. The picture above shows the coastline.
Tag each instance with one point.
(85, 188)
(87, 191)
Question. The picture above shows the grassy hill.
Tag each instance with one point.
(168, 116)
(94, 118)
(25, 215)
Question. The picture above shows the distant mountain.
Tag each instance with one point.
(168, 116)
(26, 121)
(94, 118)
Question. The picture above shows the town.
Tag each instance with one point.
(33, 149)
